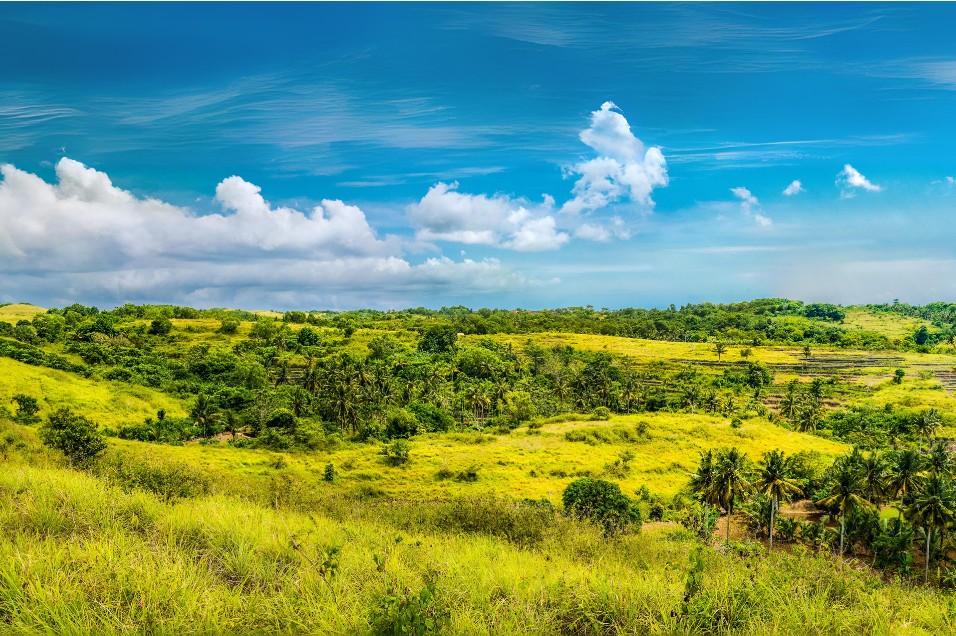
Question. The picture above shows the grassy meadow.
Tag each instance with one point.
(266, 505)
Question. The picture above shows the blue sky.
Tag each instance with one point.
(508, 155)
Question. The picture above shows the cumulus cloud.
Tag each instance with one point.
(623, 169)
(795, 187)
(83, 238)
(444, 214)
(850, 180)
(747, 204)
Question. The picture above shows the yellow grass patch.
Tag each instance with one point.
(19, 311)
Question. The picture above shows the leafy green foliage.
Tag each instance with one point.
(74, 435)
(602, 502)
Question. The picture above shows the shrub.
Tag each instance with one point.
(228, 326)
(329, 473)
(601, 502)
(407, 613)
(601, 413)
(74, 435)
(400, 423)
(27, 409)
(396, 453)
(160, 326)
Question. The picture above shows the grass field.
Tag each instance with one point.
(19, 311)
(107, 403)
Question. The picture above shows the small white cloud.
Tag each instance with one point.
(747, 199)
(444, 214)
(747, 204)
(592, 232)
(623, 169)
(849, 180)
(950, 180)
(795, 187)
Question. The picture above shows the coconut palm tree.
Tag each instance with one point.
(940, 460)
(844, 493)
(204, 414)
(905, 468)
(774, 480)
(933, 507)
(926, 424)
(875, 473)
(731, 480)
(703, 483)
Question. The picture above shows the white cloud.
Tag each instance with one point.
(950, 180)
(849, 179)
(624, 169)
(747, 204)
(83, 238)
(444, 214)
(747, 199)
(795, 187)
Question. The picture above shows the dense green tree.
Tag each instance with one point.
(74, 435)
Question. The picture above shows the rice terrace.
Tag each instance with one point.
(480, 318)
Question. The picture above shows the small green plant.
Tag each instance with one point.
(403, 613)
(898, 376)
(601, 413)
(397, 453)
(329, 473)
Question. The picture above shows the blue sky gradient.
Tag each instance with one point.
(510, 155)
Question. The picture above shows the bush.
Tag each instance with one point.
(400, 424)
(601, 413)
(396, 453)
(160, 326)
(27, 409)
(601, 502)
(74, 435)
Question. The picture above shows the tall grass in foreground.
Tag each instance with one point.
(78, 555)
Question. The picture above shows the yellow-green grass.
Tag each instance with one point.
(536, 464)
(893, 326)
(78, 556)
(19, 311)
(105, 402)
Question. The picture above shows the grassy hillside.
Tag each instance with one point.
(250, 481)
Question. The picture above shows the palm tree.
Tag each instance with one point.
(904, 475)
(844, 494)
(774, 480)
(703, 483)
(875, 472)
(204, 414)
(940, 460)
(926, 424)
(731, 480)
(789, 403)
(809, 415)
(932, 507)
